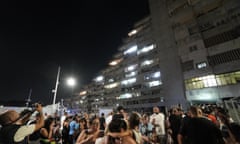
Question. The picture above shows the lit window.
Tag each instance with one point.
(146, 77)
(131, 68)
(156, 74)
(110, 86)
(146, 49)
(96, 100)
(210, 81)
(115, 62)
(99, 78)
(147, 62)
(125, 96)
(201, 65)
(133, 32)
(129, 81)
(130, 50)
(111, 80)
(131, 74)
(83, 93)
(154, 83)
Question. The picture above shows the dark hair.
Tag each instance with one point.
(134, 120)
(48, 122)
(119, 108)
(222, 111)
(4, 118)
(116, 125)
(91, 120)
(194, 110)
(117, 116)
(235, 129)
(85, 122)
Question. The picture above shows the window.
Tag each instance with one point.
(130, 68)
(193, 48)
(224, 57)
(146, 49)
(147, 62)
(213, 80)
(154, 75)
(99, 79)
(201, 65)
(131, 74)
(154, 83)
(187, 66)
(125, 96)
(130, 50)
(110, 86)
(222, 37)
(129, 81)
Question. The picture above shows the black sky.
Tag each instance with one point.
(80, 36)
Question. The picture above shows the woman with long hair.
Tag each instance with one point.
(89, 136)
(46, 131)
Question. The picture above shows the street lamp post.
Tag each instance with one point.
(71, 82)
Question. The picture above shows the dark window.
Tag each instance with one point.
(222, 37)
(224, 57)
(187, 66)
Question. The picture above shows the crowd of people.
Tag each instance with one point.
(197, 125)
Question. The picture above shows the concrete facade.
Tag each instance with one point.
(205, 39)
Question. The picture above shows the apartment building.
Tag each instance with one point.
(186, 51)
(204, 35)
(133, 77)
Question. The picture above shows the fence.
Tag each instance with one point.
(233, 107)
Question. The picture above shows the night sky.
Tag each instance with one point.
(80, 36)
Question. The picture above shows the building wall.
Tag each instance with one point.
(169, 60)
(197, 51)
(203, 36)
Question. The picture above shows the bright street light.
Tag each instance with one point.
(71, 82)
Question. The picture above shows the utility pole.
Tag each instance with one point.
(56, 86)
(28, 100)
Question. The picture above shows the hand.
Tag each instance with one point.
(38, 107)
(153, 121)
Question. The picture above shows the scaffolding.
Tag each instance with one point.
(233, 107)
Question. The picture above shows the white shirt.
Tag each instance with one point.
(24, 131)
(159, 123)
(108, 119)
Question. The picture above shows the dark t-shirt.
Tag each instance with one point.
(7, 134)
(102, 122)
(175, 123)
(203, 131)
(36, 135)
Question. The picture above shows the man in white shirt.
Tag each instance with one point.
(157, 119)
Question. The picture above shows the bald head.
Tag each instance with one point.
(8, 117)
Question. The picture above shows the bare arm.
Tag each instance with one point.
(39, 123)
(81, 136)
(119, 134)
(179, 138)
(44, 132)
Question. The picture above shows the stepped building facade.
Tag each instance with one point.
(185, 51)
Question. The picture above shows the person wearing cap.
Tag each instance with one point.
(13, 130)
